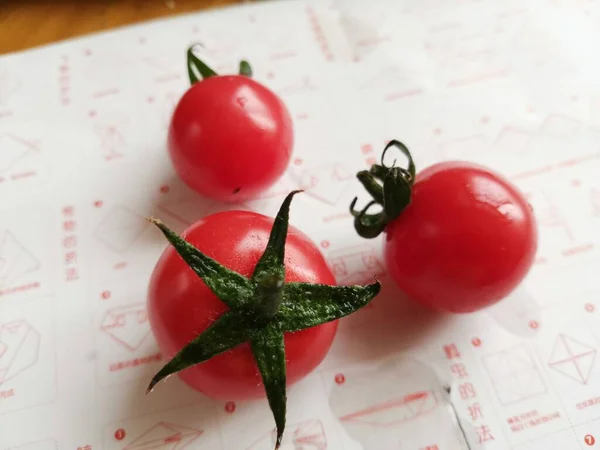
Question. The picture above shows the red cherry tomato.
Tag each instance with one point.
(180, 306)
(230, 137)
(466, 240)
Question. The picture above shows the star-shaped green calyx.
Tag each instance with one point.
(261, 309)
(390, 188)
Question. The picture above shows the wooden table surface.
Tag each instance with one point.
(30, 23)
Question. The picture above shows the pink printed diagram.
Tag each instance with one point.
(572, 358)
(188, 210)
(164, 436)
(325, 183)
(355, 265)
(13, 149)
(514, 375)
(120, 229)
(127, 325)
(395, 411)
(15, 259)
(19, 349)
(110, 132)
(307, 435)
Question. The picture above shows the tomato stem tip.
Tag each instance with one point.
(195, 64)
(390, 187)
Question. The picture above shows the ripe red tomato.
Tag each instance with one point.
(180, 305)
(466, 240)
(230, 137)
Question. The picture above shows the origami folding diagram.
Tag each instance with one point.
(19, 347)
(308, 435)
(559, 126)
(15, 260)
(164, 436)
(395, 411)
(385, 396)
(189, 210)
(572, 358)
(127, 325)
(355, 265)
(464, 147)
(325, 183)
(120, 229)
(514, 375)
(112, 141)
(512, 140)
(12, 150)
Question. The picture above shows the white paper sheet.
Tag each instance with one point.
(511, 84)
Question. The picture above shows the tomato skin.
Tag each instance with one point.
(230, 138)
(466, 241)
(180, 306)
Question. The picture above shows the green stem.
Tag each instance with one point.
(269, 292)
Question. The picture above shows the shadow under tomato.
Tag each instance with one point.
(390, 323)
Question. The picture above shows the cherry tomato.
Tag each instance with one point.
(465, 241)
(180, 305)
(230, 137)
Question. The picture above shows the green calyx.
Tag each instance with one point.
(198, 70)
(390, 188)
(261, 309)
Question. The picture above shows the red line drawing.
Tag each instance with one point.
(307, 435)
(13, 149)
(325, 183)
(319, 34)
(110, 132)
(283, 55)
(549, 215)
(467, 146)
(513, 140)
(305, 84)
(556, 125)
(165, 436)
(393, 412)
(479, 78)
(355, 265)
(127, 325)
(8, 86)
(19, 348)
(572, 358)
(189, 210)
(15, 259)
(399, 83)
(163, 66)
(514, 375)
(120, 228)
